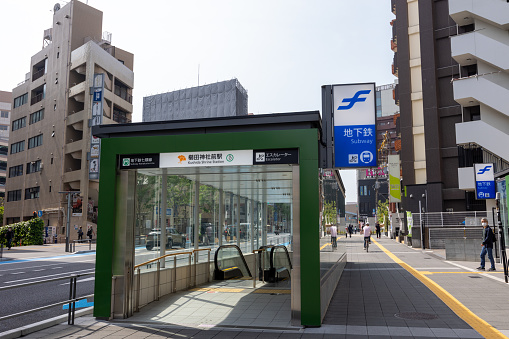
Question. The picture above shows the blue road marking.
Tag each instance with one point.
(42, 258)
(79, 303)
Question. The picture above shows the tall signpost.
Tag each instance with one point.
(484, 181)
(354, 116)
(97, 119)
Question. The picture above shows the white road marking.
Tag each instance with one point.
(39, 270)
(483, 274)
(56, 268)
(50, 276)
(17, 272)
(45, 266)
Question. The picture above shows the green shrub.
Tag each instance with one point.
(25, 232)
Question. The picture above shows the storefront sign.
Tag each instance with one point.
(135, 161)
(354, 115)
(410, 222)
(276, 156)
(484, 181)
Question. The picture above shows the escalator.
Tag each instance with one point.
(274, 263)
(229, 263)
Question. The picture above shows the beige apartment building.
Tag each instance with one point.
(5, 122)
(50, 149)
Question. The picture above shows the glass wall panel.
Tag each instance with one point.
(247, 206)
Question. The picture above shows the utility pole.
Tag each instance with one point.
(68, 222)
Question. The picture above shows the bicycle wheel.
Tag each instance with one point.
(367, 246)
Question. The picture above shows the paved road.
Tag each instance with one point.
(26, 266)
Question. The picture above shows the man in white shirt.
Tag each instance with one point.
(334, 235)
(366, 230)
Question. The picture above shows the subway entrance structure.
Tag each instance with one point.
(246, 181)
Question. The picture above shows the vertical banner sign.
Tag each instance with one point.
(97, 119)
(354, 114)
(484, 181)
(394, 179)
(410, 222)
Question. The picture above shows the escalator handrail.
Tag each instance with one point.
(267, 249)
(241, 256)
(272, 256)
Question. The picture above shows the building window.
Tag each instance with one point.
(19, 123)
(4, 150)
(2, 181)
(21, 100)
(15, 171)
(18, 147)
(32, 193)
(35, 141)
(37, 116)
(34, 166)
(14, 195)
(5, 114)
(3, 165)
(4, 128)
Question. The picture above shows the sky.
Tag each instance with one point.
(281, 51)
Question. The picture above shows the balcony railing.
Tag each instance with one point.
(36, 98)
(38, 74)
(121, 92)
(121, 118)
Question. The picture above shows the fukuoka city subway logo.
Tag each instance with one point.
(354, 99)
(485, 169)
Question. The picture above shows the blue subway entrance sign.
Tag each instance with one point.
(484, 181)
(354, 116)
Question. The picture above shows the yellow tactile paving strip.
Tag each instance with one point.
(219, 289)
(478, 324)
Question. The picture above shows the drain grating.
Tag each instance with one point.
(474, 276)
(416, 316)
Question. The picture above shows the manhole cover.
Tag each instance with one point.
(416, 316)
(474, 276)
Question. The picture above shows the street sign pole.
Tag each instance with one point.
(68, 222)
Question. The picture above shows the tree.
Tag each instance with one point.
(382, 213)
(329, 212)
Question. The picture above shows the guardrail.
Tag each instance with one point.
(72, 297)
(73, 249)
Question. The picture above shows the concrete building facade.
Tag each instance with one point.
(220, 99)
(5, 123)
(423, 64)
(50, 140)
(482, 85)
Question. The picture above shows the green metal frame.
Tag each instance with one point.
(304, 139)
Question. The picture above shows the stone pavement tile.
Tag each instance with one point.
(399, 331)
(311, 336)
(356, 330)
(444, 333)
(467, 333)
(378, 330)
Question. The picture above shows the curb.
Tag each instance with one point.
(82, 252)
(25, 330)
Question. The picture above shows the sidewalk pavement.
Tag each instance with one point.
(42, 251)
(391, 292)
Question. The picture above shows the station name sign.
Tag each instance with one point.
(209, 158)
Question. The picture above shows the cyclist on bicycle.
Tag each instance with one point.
(366, 230)
(334, 235)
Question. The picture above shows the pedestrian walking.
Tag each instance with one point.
(487, 245)
(9, 235)
(334, 236)
(90, 233)
(377, 228)
(80, 233)
(350, 230)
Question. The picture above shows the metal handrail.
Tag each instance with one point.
(45, 307)
(161, 257)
